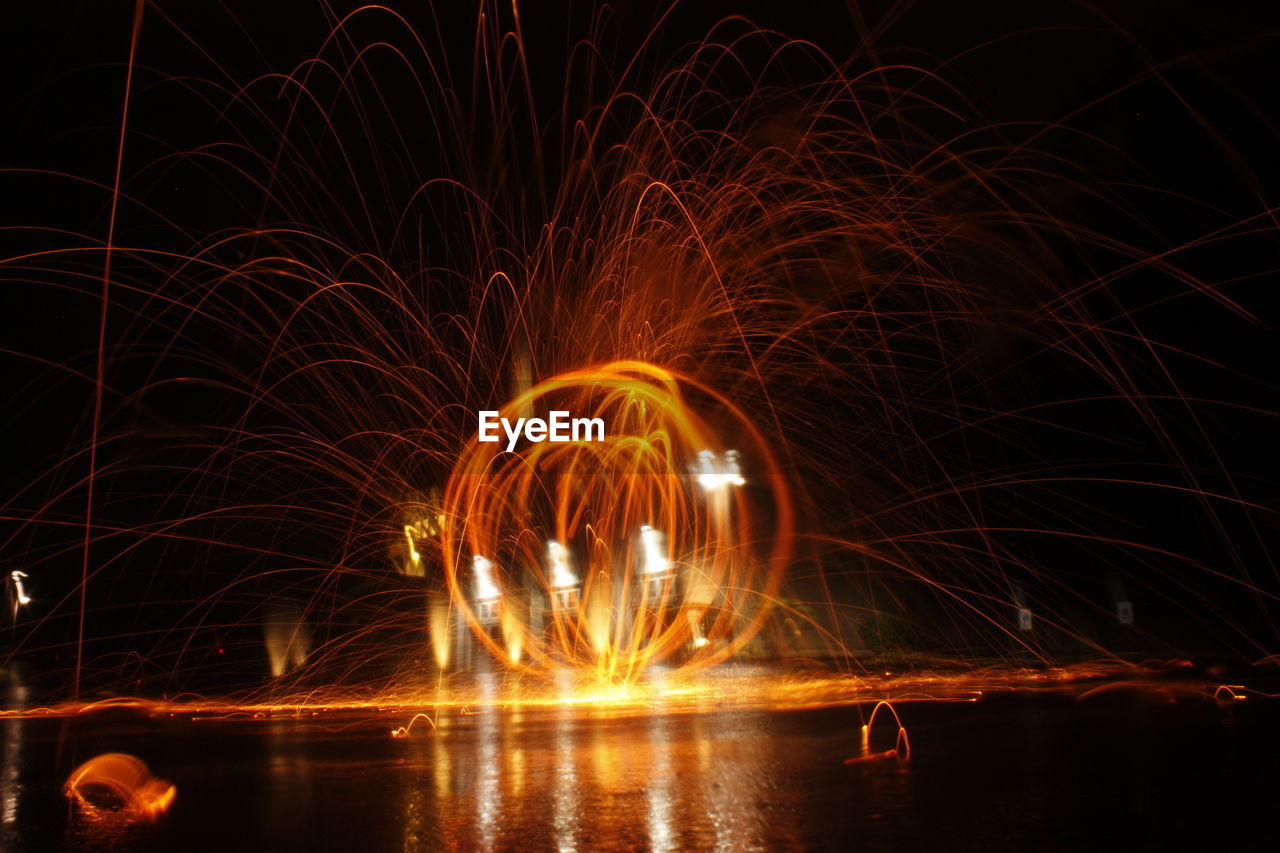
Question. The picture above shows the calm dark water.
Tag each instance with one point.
(1006, 773)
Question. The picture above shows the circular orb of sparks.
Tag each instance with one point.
(609, 555)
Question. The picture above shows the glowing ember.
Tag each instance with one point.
(120, 785)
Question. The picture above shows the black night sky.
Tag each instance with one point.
(1168, 106)
(938, 502)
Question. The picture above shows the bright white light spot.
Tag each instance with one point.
(655, 553)
(483, 570)
(714, 475)
(413, 552)
(17, 576)
(558, 558)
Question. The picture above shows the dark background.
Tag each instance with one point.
(1177, 98)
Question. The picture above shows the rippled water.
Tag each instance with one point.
(1005, 773)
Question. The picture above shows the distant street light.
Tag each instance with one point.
(19, 595)
(558, 559)
(715, 475)
(487, 592)
(16, 577)
(483, 570)
(653, 546)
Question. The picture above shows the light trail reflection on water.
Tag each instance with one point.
(661, 812)
(566, 785)
(10, 781)
(1047, 770)
(568, 781)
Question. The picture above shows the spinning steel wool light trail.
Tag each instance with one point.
(118, 784)
(631, 608)
(870, 387)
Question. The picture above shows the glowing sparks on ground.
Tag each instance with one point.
(680, 691)
(407, 729)
(116, 784)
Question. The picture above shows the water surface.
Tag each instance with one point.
(1008, 772)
